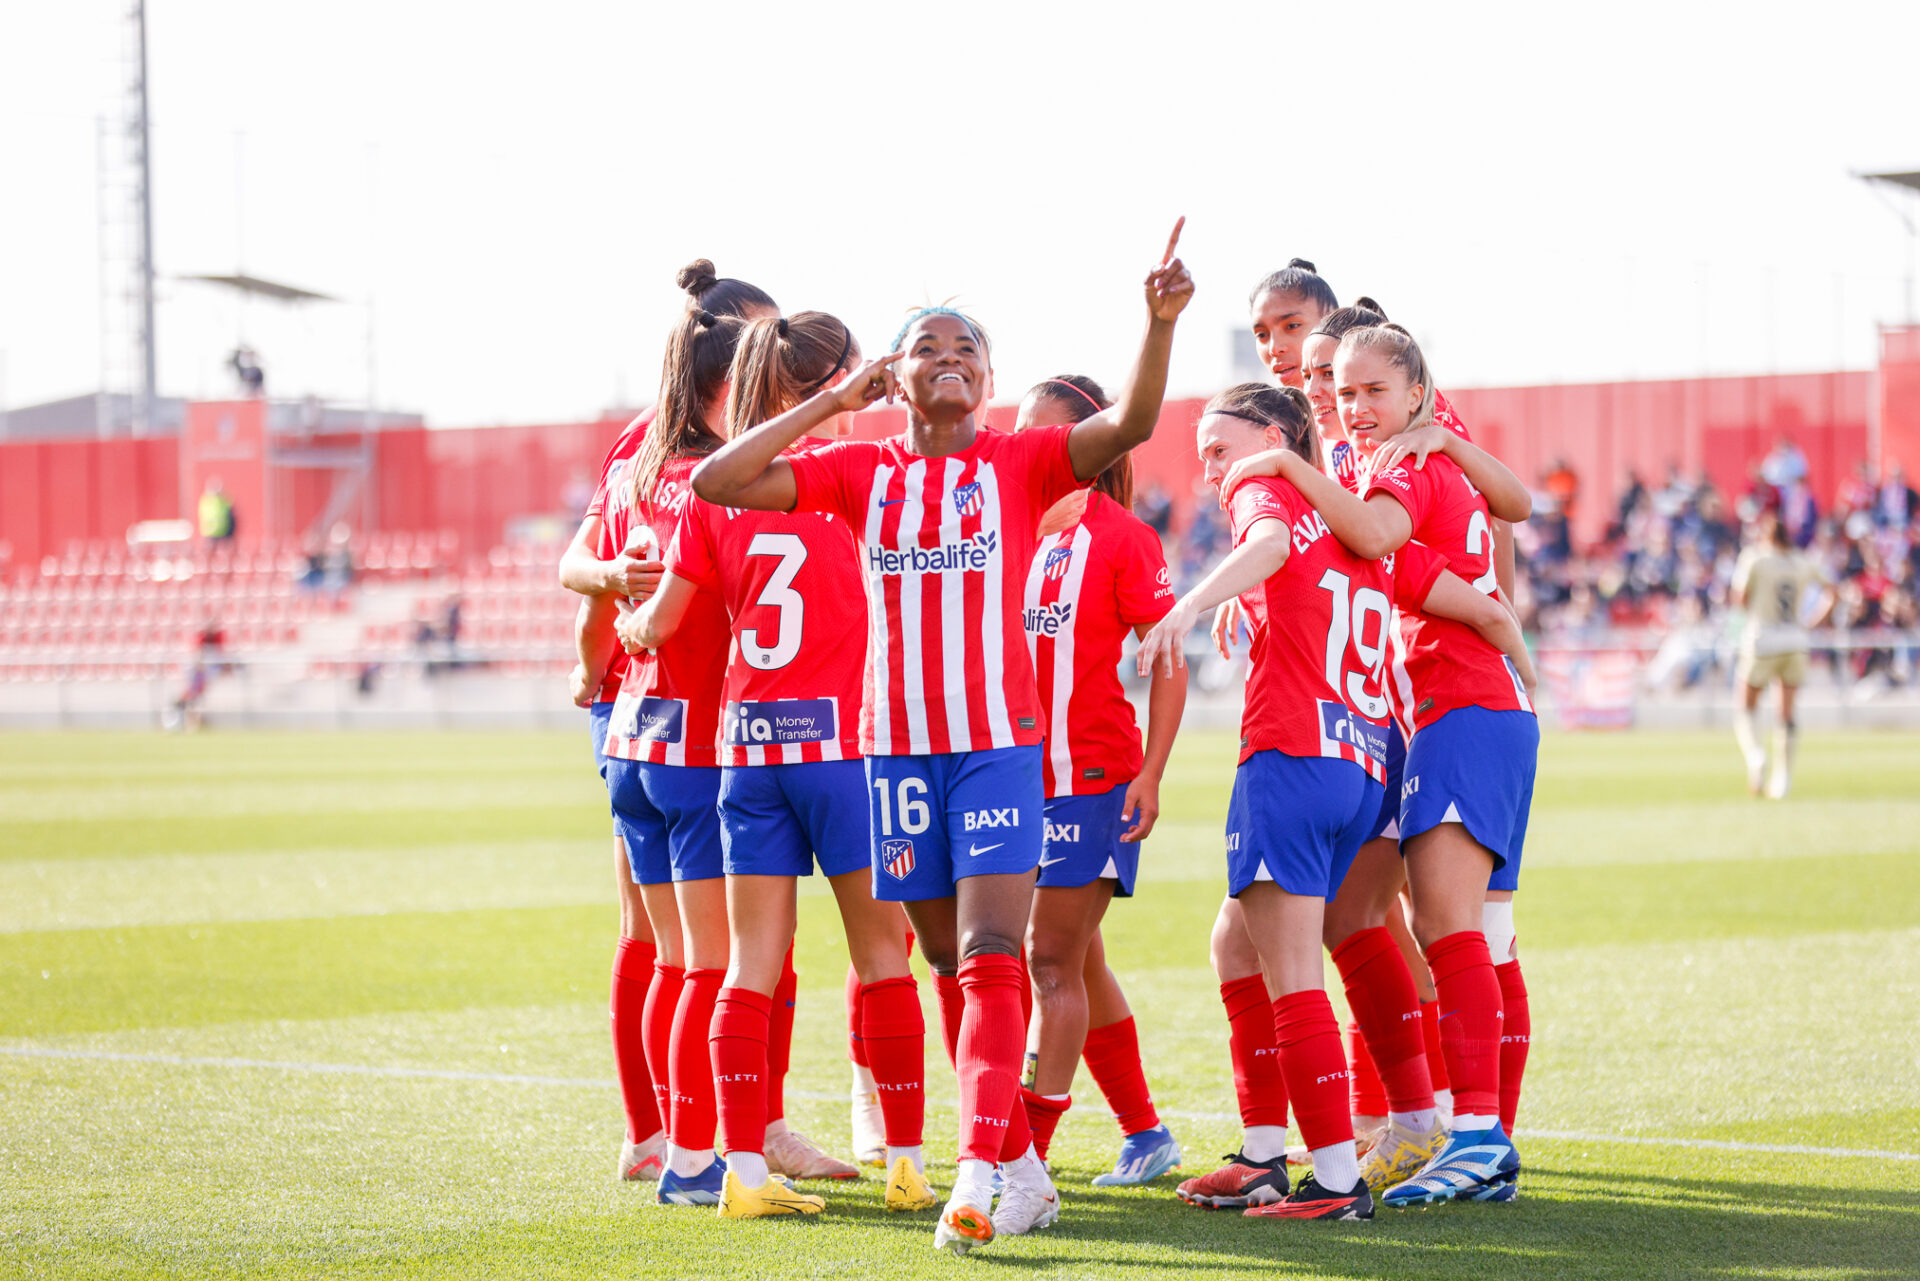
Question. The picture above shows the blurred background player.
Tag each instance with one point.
(792, 784)
(947, 515)
(1098, 573)
(1772, 581)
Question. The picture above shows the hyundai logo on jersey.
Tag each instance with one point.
(1058, 561)
(783, 720)
(968, 500)
(653, 720)
(1338, 725)
(975, 553)
(896, 858)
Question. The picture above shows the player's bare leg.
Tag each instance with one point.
(1746, 733)
(1786, 739)
(1062, 927)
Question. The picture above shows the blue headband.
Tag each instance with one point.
(923, 313)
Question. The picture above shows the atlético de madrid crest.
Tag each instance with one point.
(968, 500)
(896, 858)
(1058, 560)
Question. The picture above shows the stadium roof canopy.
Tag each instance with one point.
(1909, 180)
(272, 289)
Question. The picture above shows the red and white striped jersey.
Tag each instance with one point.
(613, 474)
(799, 654)
(668, 711)
(1346, 465)
(944, 544)
(1089, 586)
(1448, 664)
(1319, 638)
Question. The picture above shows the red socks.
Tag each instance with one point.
(627, 1007)
(656, 1031)
(780, 1040)
(1470, 1016)
(1043, 1116)
(742, 1021)
(952, 1004)
(1366, 1095)
(1514, 1040)
(693, 1118)
(1430, 1033)
(1112, 1055)
(990, 1045)
(1257, 1082)
(1314, 1065)
(1387, 1006)
(894, 1034)
(855, 1050)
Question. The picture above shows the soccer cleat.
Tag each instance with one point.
(1311, 1201)
(1239, 1183)
(775, 1197)
(794, 1154)
(1026, 1203)
(1144, 1157)
(694, 1189)
(1399, 1155)
(962, 1226)
(1483, 1166)
(1366, 1132)
(645, 1160)
(869, 1129)
(907, 1187)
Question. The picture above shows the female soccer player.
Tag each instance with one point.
(946, 517)
(602, 581)
(1313, 735)
(1771, 581)
(1470, 764)
(1098, 573)
(792, 785)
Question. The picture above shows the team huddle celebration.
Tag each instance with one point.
(900, 661)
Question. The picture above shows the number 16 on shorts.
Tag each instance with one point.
(940, 819)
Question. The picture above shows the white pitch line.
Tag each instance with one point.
(602, 1083)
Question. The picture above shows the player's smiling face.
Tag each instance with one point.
(1224, 440)
(1281, 322)
(944, 373)
(1316, 359)
(1376, 399)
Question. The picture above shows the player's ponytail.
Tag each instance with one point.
(1403, 353)
(782, 361)
(1285, 409)
(1297, 279)
(1080, 398)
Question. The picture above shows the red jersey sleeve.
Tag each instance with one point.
(1416, 568)
(1263, 498)
(827, 479)
(1445, 414)
(1144, 587)
(692, 555)
(1412, 489)
(1049, 463)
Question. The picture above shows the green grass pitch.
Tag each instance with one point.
(190, 928)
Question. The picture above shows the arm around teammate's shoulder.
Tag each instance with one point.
(748, 471)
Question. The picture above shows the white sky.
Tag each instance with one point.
(1625, 192)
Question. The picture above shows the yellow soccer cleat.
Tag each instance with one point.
(1399, 1154)
(737, 1201)
(907, 1187)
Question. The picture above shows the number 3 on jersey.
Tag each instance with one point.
(1363, 690)
(778, 595)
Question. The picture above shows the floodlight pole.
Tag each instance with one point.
(143, 413)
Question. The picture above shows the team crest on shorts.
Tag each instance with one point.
(968, 500)
(896, 858)
(1058, 561)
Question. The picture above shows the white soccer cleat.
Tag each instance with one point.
(869, 1129)
(1028, 1201)
(795, 1155)
(644, 1160)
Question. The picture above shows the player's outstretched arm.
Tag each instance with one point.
(1507, 499)
(654, 623)
(1371, 527)
(748, 470)
(1452, 597)
(1097, 442)
(595, 644)
(1258, 558)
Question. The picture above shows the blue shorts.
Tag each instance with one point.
(1297, 821)
(1474, 767)
(939, 819)
(1083, 842)
(598, 714)
(776, 819)
(669, 816)
(1388, 821)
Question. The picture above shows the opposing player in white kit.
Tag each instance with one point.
(1772, 582)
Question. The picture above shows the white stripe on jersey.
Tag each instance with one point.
(881, 681)
(1400, 685)
(830, 750)
(953, 613)
(992, 605)
(913, 674)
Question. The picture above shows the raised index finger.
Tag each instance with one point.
(1173, 241)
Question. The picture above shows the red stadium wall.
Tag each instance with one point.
(1900, 398)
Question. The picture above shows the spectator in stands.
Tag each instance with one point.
(245, 363)
(1155, 507)
(1896, 505)
(216, 514)
(1784, 464)
(1562, 484)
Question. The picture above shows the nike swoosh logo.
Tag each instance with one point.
(1049, 862)
(888, 502)
(976, 851)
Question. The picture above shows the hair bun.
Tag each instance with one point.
(1370, 305)
(697, 277)
(1303, 265)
